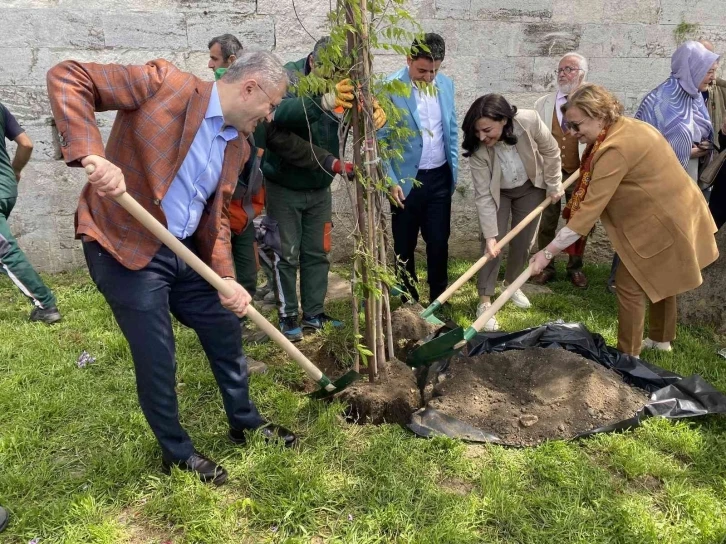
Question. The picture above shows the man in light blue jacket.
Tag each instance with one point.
(431, 157)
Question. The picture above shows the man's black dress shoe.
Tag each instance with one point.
(206, 469)
(269, 431)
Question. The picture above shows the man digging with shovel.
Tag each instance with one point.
(177, 146)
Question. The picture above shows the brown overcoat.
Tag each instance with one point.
(653, 212)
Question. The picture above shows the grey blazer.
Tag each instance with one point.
(540, 155)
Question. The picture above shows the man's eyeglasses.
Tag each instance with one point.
(567, 70)
(574, 125)
(273, 107)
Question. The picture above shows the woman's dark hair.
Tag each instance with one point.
(491, 106)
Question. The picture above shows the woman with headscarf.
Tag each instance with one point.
(655, 218)
(676, 106)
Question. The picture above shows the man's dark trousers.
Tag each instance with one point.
(244, 250)
(427, 208)
(142, 301)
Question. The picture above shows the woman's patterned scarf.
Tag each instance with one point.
(578, 195)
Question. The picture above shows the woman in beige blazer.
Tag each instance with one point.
(517, 166)
(655, 216)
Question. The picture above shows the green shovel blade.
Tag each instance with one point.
(339, 384)
(428, 313)
(436, 349)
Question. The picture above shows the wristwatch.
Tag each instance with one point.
(548, 255)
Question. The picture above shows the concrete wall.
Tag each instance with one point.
(506, 46)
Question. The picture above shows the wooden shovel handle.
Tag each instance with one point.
(443, 297)
(223, 286)
(501, 300)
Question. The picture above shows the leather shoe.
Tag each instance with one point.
(543, 277)
(270, 433)
(206, 469)
(578, 279)
(3, 519)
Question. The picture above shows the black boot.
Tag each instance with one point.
(46, 315)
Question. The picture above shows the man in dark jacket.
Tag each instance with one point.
(13, 261)
(300, 201)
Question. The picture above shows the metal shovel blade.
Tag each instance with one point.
(428, 314)
(434, 350)
(338, 385)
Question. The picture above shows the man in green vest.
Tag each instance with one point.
(300, 200)
(13, 261)
(249, 197)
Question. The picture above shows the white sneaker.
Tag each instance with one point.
(520, 300)
(491, 325)
(652, 344)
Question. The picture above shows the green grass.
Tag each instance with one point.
(78, 463)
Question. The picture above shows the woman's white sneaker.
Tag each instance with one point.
(652, 344)
(520, 300)
(492, 324)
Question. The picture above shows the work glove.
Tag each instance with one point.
(341, 97)
(379, 116)
(343, 168)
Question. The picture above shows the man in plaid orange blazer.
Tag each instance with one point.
(175, 147)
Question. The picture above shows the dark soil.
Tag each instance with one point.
(529, 396)
(392, 398)
(706, 305)
(409, 329)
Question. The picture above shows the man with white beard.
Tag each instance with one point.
(571, 72)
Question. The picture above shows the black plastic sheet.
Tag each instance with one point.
(671, 396)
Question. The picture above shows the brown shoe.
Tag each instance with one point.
(543, 277)
(578, 279)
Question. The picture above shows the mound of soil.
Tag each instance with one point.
(392, 398)
(529, 396)
(409, 329)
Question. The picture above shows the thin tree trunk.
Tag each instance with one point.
(363, 222)
(382, 250)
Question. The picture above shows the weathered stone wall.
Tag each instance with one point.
(506, 46)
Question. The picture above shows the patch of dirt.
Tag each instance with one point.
(392, 398)
(315, 348)
(409, 329)
(706, 305)
(139, 532)
(529, 396)
(338, 287)
(533, 289)
(457, 486)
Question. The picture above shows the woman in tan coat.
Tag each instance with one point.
(655, 216)
(514, 170)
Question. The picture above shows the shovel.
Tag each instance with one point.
(327, 387)
(450, 343)
(428, 313)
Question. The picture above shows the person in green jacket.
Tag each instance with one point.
(249, 194)
(300, 203)
(13, 262)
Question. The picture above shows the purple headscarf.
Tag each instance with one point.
(689, 65)
(676, 107)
